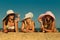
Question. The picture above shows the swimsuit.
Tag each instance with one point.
(12, 27)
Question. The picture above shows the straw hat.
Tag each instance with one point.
(41, 15)
(29, 15)
(50, 13)
(47, 13)
(10, 12)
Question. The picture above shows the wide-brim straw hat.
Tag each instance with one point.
(50, 13)
(47, 13)
(28, 15)
(41, 15)
(8, 13)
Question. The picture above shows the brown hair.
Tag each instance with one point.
(46, 21)
(7, 18)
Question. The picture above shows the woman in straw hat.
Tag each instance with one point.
(28, 24)
(47, 21)
(10, 22)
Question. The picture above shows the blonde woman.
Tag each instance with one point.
(28, 24)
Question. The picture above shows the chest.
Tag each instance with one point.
(11, 23)
(29, 26)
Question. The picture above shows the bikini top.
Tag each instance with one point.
(27, 25)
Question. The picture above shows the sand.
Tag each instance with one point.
(29, 36)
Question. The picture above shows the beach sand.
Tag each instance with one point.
(29, 36)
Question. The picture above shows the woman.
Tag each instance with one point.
(47, 22)
(28, 24)
(10, 22)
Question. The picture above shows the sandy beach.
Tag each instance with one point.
(29, 36)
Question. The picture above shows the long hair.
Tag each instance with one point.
(6, 19)
(46, 21)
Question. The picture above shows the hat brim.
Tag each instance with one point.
(43, 15)
(7, 16)
(50, 15)
(25, 19)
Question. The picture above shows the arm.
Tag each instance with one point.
(16, 26)
(33, 27)
(4, 27)
(43, 29)
(22, 28)
(39, 19)
(41, 23)
(52, 28)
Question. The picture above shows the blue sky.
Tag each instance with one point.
(37, 7)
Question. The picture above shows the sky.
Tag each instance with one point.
(37, 7)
